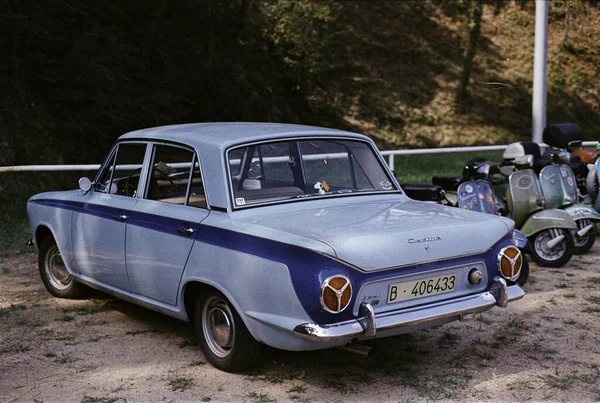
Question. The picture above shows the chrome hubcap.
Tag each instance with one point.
(217, 326)
(541, 245)
(56, 270)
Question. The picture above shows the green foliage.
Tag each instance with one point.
(299, 36)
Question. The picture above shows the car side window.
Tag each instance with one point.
(176, 177)
(122, 175)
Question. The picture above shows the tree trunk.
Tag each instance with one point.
(474, 31)
(566, 32)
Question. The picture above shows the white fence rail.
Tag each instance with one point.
(390, 154)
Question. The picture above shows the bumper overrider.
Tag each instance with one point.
(367, 324)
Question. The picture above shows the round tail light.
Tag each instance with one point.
(510, 261)
(336, 292)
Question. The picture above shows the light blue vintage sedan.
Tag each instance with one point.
(292, 236)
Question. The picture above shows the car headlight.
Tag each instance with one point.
(336, 292)
(510, 260)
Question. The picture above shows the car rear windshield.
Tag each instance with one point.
(303, 169)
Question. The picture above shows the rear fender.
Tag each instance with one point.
(546, 219)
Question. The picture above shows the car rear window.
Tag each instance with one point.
(302, 169)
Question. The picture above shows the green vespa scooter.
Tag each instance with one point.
(548, 230)
(559, 186)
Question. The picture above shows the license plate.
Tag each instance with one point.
(421, 288)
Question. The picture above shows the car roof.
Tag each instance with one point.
(224, 135)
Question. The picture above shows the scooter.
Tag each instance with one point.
(548, 230)
(559, 186)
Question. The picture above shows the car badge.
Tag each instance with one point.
(427, 248)
(428, 239)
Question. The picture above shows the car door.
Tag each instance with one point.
(162, 228)
(100, 217)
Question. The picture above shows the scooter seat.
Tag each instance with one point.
(424, 192)
(447, 182)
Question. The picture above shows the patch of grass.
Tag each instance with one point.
(449, 338)
(421, 168)
(65, 359)
(259, 397)
(49, 354)
(562, 285)
(12, 308)
(23, 348)
(91, 322)
(557, 380)
(570, 322)
(594, 280)
(188, 343)
(594, 299)
(65, 318)
(5, 270)
(95, 399)
(570, 296)
(96, 338)
(552, 301)
(65, 338)
(206, 399)
(198, 363)
(136, 332)
(81, 310)
(274, 379)
(181, 383)
(46, 332)
(297, 389)
(592, 309)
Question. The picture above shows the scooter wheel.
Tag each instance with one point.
(583, 243)
(523, 274)
(555, 255)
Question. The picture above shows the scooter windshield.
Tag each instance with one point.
(525, 195)
(477, 196)
(558, 185)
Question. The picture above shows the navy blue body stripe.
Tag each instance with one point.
(308, 268)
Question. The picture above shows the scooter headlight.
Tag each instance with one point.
(510, 261)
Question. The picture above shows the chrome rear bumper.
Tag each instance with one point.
(367, 324)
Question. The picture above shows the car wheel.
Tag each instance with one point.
(583, 243)
(224, 339)
(552, 255)
(54, 273)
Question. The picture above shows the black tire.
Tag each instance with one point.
(524, 273)
(584, 243)
(54, 273)
(224, 339)
(554, 257)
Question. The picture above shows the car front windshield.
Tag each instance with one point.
(303, 169)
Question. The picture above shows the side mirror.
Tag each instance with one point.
(85, 184)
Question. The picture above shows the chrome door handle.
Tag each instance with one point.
(188, 231)
(120, 217)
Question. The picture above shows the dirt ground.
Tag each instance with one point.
(543, 347)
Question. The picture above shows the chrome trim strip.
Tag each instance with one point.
(410, 317)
